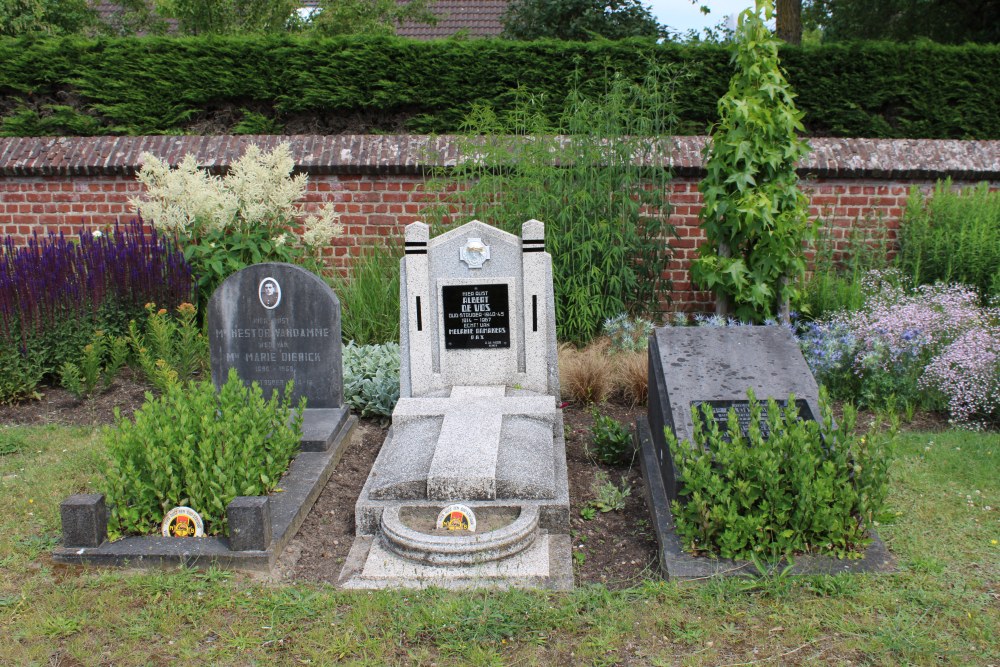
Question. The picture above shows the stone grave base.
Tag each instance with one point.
(675, 563)
(547, 563)
(271, 523)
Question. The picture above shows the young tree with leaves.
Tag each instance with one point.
(754, 215)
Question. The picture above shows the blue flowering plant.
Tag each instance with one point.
(932, 346)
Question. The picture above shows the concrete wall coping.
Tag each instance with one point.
(887, 159)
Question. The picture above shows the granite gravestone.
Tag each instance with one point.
(693, 366)
(477, 421)
(476, 310)
(278, 322)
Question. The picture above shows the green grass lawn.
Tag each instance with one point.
(941, 607)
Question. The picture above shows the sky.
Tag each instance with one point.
(682, 15)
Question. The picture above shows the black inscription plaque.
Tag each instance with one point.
(476, 317)
(720, 414)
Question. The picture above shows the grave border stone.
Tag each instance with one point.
(285, 511)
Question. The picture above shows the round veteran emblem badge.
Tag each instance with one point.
(457, 517)
(182, 522)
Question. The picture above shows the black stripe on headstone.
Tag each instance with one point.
(542, 249)
(415, 251)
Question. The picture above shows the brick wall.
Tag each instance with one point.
(377, 183)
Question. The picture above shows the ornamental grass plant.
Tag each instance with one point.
(597, 177)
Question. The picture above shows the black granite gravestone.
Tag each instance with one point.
(278, 322)
(691, 366)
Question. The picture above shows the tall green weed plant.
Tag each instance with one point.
(952, 236)
(99, 362)
(369, 296)
(198, 448)
(170, 349)
(840, 268)
(596, 178)
(807, 487)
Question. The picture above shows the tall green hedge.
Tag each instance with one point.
(157, 85)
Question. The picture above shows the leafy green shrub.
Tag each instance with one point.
(100, 360)
(371, 378)
(169, 349)
(21, 372)
(755, 216)
(810, 486)
(605, 218)
(369, 297)
(952, 236)
(611, 442)
(155, 85)
(198, 448)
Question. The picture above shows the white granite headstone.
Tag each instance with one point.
(477, 310)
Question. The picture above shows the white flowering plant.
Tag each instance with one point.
(224, 223)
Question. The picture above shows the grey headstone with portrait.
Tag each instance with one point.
(277, 322)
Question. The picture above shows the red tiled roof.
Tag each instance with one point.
(475, 18)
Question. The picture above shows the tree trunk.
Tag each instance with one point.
(788, 20)
(722, 305)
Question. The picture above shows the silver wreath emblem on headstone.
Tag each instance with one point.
(475, 253)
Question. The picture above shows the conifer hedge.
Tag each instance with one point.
(259, 84)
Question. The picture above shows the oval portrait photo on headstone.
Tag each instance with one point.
(270, 293)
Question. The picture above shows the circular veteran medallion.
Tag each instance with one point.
(182, 522)
(457, 517)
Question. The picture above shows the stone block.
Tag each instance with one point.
(84, 520)
(249, 523)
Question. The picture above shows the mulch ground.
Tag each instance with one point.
(617, 548)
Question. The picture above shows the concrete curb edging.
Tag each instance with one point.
(675, 563)
(301, 484)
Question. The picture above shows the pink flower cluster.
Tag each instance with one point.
(897, 326)
(967, 372)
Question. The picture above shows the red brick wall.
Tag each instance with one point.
(377, 183)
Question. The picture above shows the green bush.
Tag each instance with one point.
(198, 448)
(163, 85)
(953, 236)
(369, 297)
(371, 378)
(810, 486)
(611, 442)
